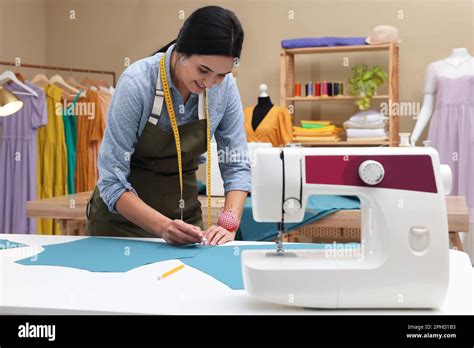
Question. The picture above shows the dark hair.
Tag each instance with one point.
(210, 30)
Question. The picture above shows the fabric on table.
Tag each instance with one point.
(224, 262)
(18, 160)
(275, 127)
(323, 41)
(52, 157)
(121, 255)
(7, 244)
(96, 254)
(317, 208)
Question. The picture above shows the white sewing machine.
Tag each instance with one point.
(402, 260)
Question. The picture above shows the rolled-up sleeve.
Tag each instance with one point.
(231, 141)
(121, 134)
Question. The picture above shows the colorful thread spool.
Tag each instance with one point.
(324, 88)
(297, 89)
(341, 91)
(317, 89)
(330, 89)
(309, 89)
(336, 89)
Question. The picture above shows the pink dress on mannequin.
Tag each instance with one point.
(452, 123)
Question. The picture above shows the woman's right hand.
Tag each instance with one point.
(180, 232)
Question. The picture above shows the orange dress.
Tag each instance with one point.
(275, 128)
(90, 131)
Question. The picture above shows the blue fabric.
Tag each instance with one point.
(317, 208)
(6, 244)
(224, 262)
(201, 187)
(96, 254)
(323, 41)
(130, 108)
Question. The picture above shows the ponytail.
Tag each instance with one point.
(165, 48)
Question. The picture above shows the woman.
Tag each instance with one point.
(157, 130)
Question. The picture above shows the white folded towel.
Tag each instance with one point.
(367, 118)
(365, 133)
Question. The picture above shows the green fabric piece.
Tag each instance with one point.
(70, 134)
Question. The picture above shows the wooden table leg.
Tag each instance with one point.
(456, 240)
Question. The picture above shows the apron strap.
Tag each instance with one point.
(202, 106)
(159, 98)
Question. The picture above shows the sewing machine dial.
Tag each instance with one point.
(291, 206)
(371, 172)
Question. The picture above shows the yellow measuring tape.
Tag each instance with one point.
(174, 125)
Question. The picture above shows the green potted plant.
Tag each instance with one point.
(364, 83)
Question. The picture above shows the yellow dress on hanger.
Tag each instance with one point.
(275, 128)
(52, 157)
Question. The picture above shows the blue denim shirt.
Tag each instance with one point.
(130, 109)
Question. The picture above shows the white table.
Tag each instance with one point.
(60, 290)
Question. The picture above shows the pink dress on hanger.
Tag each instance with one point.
(452, 123)
(18, 160)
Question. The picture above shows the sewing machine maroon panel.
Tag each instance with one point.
(402, 172)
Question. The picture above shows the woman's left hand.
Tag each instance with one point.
(217, 235)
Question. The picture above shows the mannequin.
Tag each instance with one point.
(267, 123)
(458, 56)
(449, 103)
(262, 108)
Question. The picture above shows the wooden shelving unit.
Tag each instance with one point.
(287, 83)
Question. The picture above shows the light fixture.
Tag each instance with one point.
(9, 103)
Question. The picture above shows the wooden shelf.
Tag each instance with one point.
(336, 98)
(344, 143)
(287, 83)
(335, 49)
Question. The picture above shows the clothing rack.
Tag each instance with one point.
(57, 68)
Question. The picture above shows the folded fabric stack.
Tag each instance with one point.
(314, 131)
(367, 125)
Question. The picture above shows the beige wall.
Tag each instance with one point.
(106, 32)
(23, 32)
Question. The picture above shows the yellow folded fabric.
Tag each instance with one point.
(316, 122)
(306, 134)
(317, 132)
(302, 139)
(314, 130)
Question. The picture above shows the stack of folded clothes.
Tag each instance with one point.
(367, 125)
(314, 131)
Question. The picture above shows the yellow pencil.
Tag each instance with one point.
(170, 272)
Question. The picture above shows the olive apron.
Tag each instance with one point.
(154, 174)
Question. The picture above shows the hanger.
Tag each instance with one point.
(59, 81)
(103, 83)
(74, 83)
(40, 80)
(89, 82)
(20, 77)
(9, 75)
